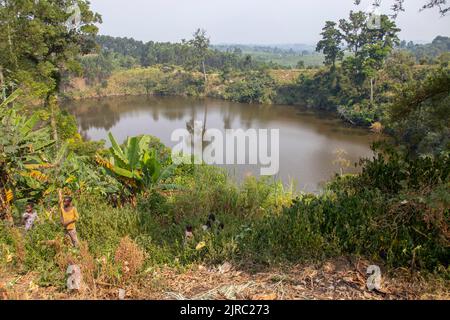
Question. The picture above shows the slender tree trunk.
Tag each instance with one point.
(204, 72)
(13, 57)
(53, 123)
(371, 90)
(11, 45)
(2, 84)
(50, 103)
(206, 106)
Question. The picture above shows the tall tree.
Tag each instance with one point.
(330, 44)
(40, 40)
(378, 44)
(371, 59)
(370, 46)
(200, 43)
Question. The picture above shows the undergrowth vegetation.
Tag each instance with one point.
(392, 213)
(135, 206)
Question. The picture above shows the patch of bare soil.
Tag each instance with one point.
(340, 279)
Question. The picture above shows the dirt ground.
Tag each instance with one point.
(338, 279)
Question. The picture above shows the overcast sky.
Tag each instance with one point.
(250, 21)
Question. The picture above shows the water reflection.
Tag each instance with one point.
(308, 140)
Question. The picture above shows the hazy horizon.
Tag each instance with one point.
(257, 22)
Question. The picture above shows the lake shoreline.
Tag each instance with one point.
(299, 107)
(132, 82)
(310, 145)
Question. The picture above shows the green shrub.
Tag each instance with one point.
(254, 87)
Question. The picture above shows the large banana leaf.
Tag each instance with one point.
(144, 142)
(119, 156)
(10, 99)
(60, 155)
(122, 172)
(167, 172)
(29, 124)
(133, 153)
(137, 163)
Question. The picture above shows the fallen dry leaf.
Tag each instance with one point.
(329, 267)
(225, 268)
(265, 297)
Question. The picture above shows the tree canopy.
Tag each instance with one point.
(40, 40)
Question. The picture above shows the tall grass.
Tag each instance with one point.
(156, 226)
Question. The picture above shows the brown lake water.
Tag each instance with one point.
(309, 141)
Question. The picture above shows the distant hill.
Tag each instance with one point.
(434, 49)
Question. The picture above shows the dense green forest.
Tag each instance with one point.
(135, 203)
(358, 84)
(234, 55)
(181, 54)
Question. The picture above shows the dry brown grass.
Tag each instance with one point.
(19, 244)
(289, 76)
(341, 279)
(129, 257)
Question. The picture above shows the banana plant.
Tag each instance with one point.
(22, 153)
(136, 165)
(31, 168)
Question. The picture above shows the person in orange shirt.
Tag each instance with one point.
(69, 216)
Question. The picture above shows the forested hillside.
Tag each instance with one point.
(149, 225)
